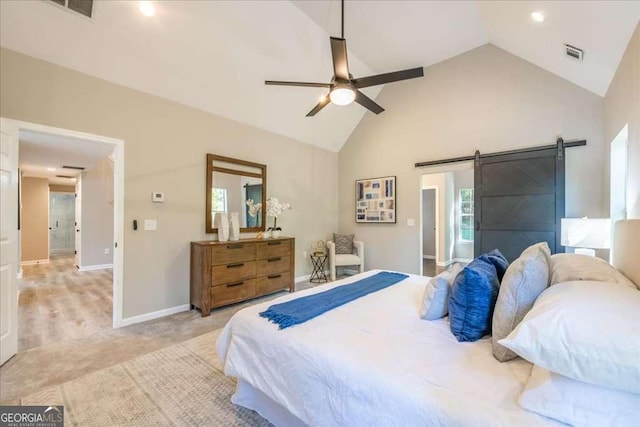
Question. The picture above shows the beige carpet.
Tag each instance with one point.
(182, 384)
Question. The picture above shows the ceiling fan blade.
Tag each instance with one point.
(368, 103)
(339, 54)
(388, 77)
(303, 84)
(323, 103)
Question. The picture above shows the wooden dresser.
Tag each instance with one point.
(224, 273)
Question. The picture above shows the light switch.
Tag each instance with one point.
(150, 225)
(411, 222)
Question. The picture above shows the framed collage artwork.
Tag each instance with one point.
(376, 200)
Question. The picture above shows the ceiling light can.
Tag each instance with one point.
(537, 16)
(147, 8)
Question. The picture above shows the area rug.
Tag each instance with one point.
(179, 385)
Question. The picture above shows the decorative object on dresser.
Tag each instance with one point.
(223, 226)
(234, 227)
(274, 209)
(224, 273)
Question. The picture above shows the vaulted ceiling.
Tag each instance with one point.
(215, 55)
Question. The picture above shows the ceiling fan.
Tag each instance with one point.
(344, 89)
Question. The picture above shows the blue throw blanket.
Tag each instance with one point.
(302, 309)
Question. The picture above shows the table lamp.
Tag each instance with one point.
(586, 234)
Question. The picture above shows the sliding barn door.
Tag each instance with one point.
(519, 200)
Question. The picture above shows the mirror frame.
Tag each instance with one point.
(209, 187)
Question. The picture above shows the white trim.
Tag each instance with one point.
(464, 260)
(118, 202)
(154, 315)
(19, 275)
(95, 267)
(428, 256)
(34, 262)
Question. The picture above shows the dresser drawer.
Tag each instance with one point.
(232, 272)
(233, 292)
(276, 264)
(273, 282)
(233, 252)
(273, 249)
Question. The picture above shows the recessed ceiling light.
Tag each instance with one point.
(147, 9)
(51, 169)
(537, 16)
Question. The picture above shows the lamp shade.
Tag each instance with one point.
(594, 233)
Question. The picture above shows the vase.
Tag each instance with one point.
(266, 234)
(275, 234)
(223, 227)
(234, 227)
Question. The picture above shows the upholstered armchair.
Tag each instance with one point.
(340, 260)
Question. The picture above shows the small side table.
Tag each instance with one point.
(318, 275)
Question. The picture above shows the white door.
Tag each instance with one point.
(8, 240)
(77, 220)
(62, 227)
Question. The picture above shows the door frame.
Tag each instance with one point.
(436, 222)
(118, 201)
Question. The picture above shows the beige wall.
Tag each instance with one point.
(96, 215)
(622, 107)
(62, 188)
(165, 148)
(485, 99)
(35, 219)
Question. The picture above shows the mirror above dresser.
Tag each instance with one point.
(230, 183)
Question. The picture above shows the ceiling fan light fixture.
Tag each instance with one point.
(342, 95)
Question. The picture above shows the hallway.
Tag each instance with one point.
(58, 303)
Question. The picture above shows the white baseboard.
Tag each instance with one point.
(155, 315)
(36, 261)
(429, 256)
(19, 275)
(462, 260)
(95, 267)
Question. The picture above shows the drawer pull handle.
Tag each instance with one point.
(274, 259)
(274, 243)
(274, 276)
(235, 246)
(236, 265)
(231, 285)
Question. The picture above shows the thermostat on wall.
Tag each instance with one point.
(157, 197)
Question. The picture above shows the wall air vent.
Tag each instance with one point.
(573, 52)
(78, 168)
(83, 7)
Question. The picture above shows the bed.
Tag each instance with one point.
(373, 361)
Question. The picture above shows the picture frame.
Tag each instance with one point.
(376, 200)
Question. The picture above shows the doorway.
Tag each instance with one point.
(429, 231)
(14, 130)
(62, 226)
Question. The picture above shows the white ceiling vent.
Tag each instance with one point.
(573, 52)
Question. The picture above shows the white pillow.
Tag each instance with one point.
(585, 330)
(568, 267)
(577, 403)
(435, 298)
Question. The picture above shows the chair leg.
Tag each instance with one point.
(362, 268)
(333, 273)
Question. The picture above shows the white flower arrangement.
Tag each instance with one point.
(254, 208)
(275, 209)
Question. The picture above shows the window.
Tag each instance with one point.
(219, 200)
(466, 215)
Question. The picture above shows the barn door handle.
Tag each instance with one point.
(477, 225)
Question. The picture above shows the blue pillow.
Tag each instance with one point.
(499, 262)
(473, 297)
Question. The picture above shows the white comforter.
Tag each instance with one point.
(374, 362)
